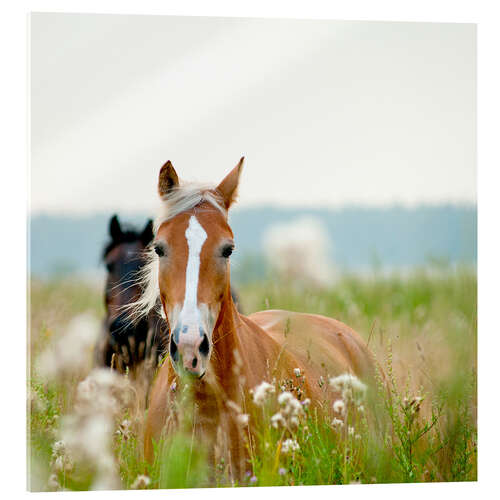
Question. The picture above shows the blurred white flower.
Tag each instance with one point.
(103, 391)
(339, 406)
(124, 429)
(261, 392)
(277, 420)
(296, 371)
(70, 353)
(242, 419)
(337, 423)
(87, 433)
(290, 411)
(289, 445)
(350, 387)
(53, 483)
(141, 482)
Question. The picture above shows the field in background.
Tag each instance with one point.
(422, 328)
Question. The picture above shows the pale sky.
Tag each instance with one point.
(327, 113)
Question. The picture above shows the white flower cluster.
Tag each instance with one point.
(261, 393)
(339, 406)
(350, 387)
(141, 482)
(289, 445)
(124, 429)
(352, 392)
(103, 391)
(337, 423)
(61, 459)
(87, 432)
(290, 411)
(70, 353)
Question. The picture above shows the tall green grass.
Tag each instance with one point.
(422, 328)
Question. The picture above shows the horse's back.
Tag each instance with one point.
(329, 345)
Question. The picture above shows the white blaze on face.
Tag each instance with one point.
(189, 316)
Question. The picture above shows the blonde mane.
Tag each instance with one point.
(178, 200)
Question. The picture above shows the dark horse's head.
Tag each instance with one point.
(124, 258)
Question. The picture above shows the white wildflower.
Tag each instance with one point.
(350, 431)
(71, 352)
(103, 391)
(277, 420)
(53, 483)
(242, 419)
(290, 405)
(296, 371)
(350, 387)
(285, 397)
(339, 406)
(293, 422)
(87, 433)
(289, 445)
(58, 448)
(124, 429)
(62, 461)
(306, 403)
(261, 392)
(290, 411)
(141, 482)
(337, 423)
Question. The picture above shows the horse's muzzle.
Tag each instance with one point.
(190, 350)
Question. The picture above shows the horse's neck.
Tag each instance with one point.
(227, 344)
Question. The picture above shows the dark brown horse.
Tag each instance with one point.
(125, 344)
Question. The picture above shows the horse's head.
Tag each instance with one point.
(193, 243)
(124, 258)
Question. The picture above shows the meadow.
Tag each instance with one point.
(85, 428)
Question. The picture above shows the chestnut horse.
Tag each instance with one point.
(224, 352)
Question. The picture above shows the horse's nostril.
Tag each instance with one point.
(195, 362)
(204, 346)
(173, 350)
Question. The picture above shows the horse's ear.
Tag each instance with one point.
(168, 179)
(115, 230)
(228, 188)
(147, 234)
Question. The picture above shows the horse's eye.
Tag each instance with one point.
(227, 251)
(160, 250)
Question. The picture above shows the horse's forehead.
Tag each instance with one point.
(125, 250)
(210, 220)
